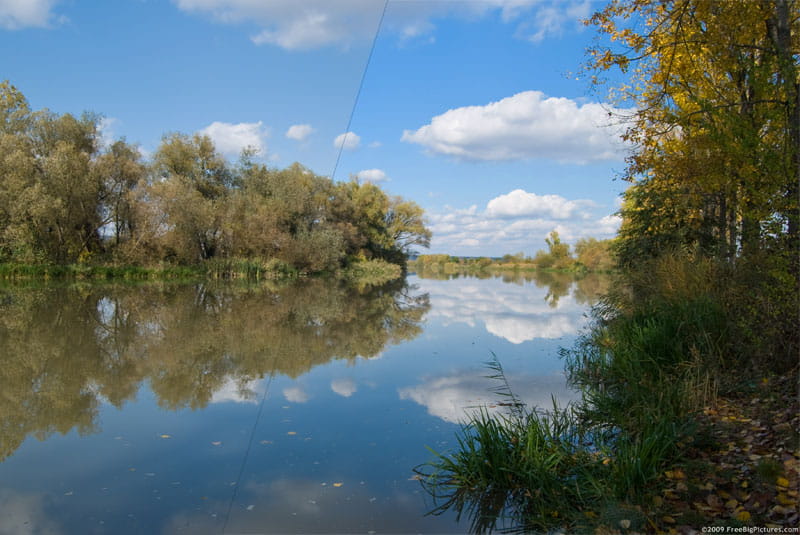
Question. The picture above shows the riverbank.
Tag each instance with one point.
(369, 272)
(686, 417)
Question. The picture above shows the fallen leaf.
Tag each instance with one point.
(216, 443)
(782, 482)
(165, 436)
(338, 484)
(292, 433)
(625, 523)
(743, 516)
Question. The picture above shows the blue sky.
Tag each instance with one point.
(472, 109)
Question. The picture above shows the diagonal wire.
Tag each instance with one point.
(247, 451)
(360, 86)
(333, 174)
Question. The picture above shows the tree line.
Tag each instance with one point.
(66, 198)
(588, 255)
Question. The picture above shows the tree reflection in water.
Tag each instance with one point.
(68, 350)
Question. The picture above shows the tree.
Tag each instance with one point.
(120, 170)
(715, 131)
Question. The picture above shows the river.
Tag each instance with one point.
(211, 408)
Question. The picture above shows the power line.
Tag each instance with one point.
(360, 86)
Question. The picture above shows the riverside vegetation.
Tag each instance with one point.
(590, 255)
(71, 207)
(689, 371)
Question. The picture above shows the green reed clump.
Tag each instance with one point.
(529, 471)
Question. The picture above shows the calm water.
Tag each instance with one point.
(236, 409)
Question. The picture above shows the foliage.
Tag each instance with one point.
(716, 126)
(66, 199)
(68, 350)
(591, 255)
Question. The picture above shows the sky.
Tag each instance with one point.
(475, 110)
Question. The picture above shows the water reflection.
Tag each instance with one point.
(454, 398)
(586, 287)
(510, 311)
(66, 351)
(209, 409)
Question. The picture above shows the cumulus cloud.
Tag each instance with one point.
(372, 175)
(347, 141)
(518, 221)
(299, 132)
(523, 126)
(515, 313)
(344, 387)
(231, 139)
(454, 398)
(18, 14)
(521, 203)
(313, 24)
(295, 394)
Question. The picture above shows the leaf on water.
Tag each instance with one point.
(292, 433)
(166, 436)
(250, 507)
(216, 443)
(265, 442)
(338, 484)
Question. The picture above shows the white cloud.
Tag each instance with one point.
(294, 25)
(523, 126)
(348, 141)
(18, 14)
(299, 132)
(312, 24)
(551, 19)
(372, 175)
(517, 221)
(295, 394)
(515, 313)
(231, 139)
(344, 387)
(454, 398)
(521, 203)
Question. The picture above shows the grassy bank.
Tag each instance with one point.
(663, 354)
(370, 272)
